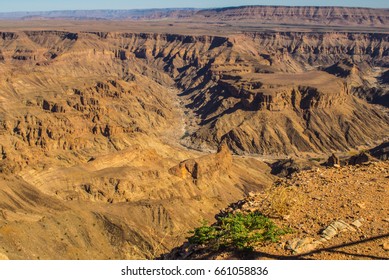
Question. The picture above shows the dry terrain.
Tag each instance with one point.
(351, 199)
(119, 136)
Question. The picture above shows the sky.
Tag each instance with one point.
(50, 5)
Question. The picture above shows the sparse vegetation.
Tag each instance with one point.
(239, 231)
(279, 202)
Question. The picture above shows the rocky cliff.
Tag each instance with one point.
(260, 92)
(263, 93)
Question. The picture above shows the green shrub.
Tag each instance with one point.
(240, 231)
(203, 234)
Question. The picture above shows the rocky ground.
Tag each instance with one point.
(335, 213)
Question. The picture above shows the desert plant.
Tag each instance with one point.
(203, 234)
(279, 200)
(240, 231)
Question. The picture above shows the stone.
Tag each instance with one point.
(357, 224)
(333, 161)
(329, 232)
(361, 205)
(302, 245)
(360, 158)
(251, 194)
(335, 228)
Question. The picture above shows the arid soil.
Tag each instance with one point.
(308, 203)
(117, 139)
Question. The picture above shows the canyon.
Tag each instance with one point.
(114, 144)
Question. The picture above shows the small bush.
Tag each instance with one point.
(203, 234)
(240, 231)
(279, 202)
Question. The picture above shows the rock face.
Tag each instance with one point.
(260, 96)
(271, 104)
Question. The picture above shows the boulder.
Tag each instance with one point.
(286, 167)
(332, 161)
(303, 245)
(381, 152)
(363, 157)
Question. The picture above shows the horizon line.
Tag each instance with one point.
(192, 8)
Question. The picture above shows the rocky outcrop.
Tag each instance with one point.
(381, 151)
(360, 158)
(204, 167)
(332, 161)
(287, 167)
(342, 69)
(308, 244)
